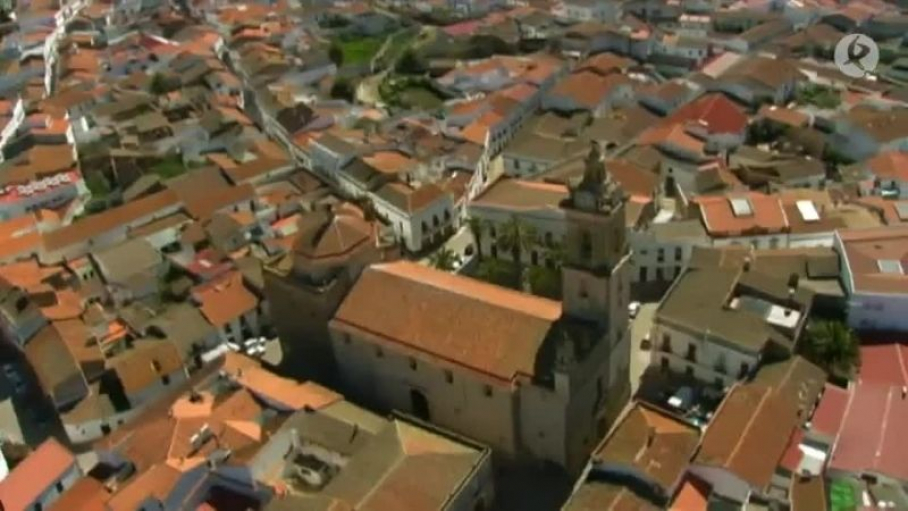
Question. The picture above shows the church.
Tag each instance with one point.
(537, 380)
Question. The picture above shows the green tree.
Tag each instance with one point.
(343, 89)
(410, 64)
(158, 84)
(336, 54)
(517, 237)
(444, 259)
(832, 346)
(545, 282)
(498, 272)
(477, 227)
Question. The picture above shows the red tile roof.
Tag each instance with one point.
(35, 475)
(767, 215)
(889, 165)
(828, 417)
(455, 319)
(873, 434)
(719, 114)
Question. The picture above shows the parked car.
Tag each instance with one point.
(646, 343)
(632, 309)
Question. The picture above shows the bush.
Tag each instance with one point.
(410, 64)
(336, 54)
(343, 89)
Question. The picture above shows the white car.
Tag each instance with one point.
(632, 309)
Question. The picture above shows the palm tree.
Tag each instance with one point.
(517, 237)
(832, 346)
(443, 259)
(476, 226)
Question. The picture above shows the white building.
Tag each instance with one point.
(717, 324)
(873, 273)
(535, 205)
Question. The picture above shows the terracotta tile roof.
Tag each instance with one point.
(155, 483)
(224, 299)
(289, 394)
(409, 199)
(480, 326)
(88, 494)
(889, 165)
(96, 225)
(751, 429)
(35, 475)
(587, 88)
(650, 442)
(827, 418)
(202, 207)
(760, 214)
(250, 170)
(808, 493)
(143, 365)
(717, 113)
(19, 238)
(693, 495)
(390, 162)
(517, 194)
(321, 235)
(605, 63)
(872, 435)
(865, 248)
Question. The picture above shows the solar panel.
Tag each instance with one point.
(890, 266)
(741, 206)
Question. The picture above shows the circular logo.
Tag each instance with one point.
(856, 55)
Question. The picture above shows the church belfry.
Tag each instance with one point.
(596, 265)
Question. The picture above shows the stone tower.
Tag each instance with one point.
(596, 284)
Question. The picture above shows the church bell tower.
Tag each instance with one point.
(596, 283)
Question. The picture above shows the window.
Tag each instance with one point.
(679, 253)
(492, 232)
(744, 370)
(487, 390)
(59, 486)
(413, 363)
(435, 221)
(583, 292)
(534, 258)
(447, 216)
(642, 274)
(379, 353)
(165, 380)
(449, 376)
(586, 246)
(689, 371)
(494, 251)
(660, 255)
(666, 343)
(548, 239)
(692, 352)
(659, 276)
(599, 392)
(347, 339)
(663, 365)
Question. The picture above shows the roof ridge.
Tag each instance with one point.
(750, 423)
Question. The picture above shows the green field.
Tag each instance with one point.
(842, 496)
(415, 96)
(360, 51)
